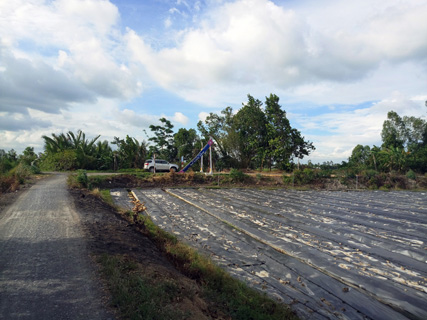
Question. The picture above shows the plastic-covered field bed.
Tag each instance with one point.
(330, 255)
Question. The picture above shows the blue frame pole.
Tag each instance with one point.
(203, 151)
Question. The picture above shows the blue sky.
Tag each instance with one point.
(115, 67)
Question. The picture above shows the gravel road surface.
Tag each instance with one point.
(45, 270)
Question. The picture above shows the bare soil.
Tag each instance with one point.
(107, 232)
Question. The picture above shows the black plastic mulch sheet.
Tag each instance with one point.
(330, 255)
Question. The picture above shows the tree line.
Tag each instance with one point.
(404, 147)
(258, 136)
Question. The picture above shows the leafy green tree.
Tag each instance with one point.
(163, 140)
(360, 156)
(404, 142)
(283, 141)
(277, 131)
(394, 132)
(220, 128)
(186, 143)
(416, 142)
(12, 155)
(7, 160)
(254, 136)
(28, 156)
(415, 131)
(374, 157)
(394, 159)
(250, 125)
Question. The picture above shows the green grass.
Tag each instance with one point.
(106, 196)
(137, 295)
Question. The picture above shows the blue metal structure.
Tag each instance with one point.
(202, 152)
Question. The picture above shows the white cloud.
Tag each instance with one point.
(180, 118)
(341, 131)
(35, 84)
(203, 115)
(242, 45)
(130, 117)
(168, 22)
(61, 52)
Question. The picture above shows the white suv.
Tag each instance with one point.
(161, 165)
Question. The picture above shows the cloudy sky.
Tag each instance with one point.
(115, 67)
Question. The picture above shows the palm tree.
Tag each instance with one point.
(131, 153)
(57, 143)
(84, 149)
(395, 158)
(103, 155)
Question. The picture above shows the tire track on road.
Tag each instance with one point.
(45, 271)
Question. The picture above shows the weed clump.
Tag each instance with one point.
(78, 180)
(411, 175)
(237, 175)
(301, 177)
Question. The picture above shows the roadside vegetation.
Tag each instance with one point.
(137, 294)
(15, 170)
(309, 178)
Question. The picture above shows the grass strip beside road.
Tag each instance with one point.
(137, 295)
(232, 297)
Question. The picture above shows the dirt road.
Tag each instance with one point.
(45, 271)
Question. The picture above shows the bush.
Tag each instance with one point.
(22, 172)
(6, 165)
(82, 178)
(324, 173)
(377, 181)
(411, 175)
(16, 176)
(61, 161)
(8, 184)
(305, 176)
(78, 180)
(369, 173)
(237, 175)
(287, 179)
(95, 181)
(35, 169)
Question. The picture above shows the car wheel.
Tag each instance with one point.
(173, 169)
(152, 169)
